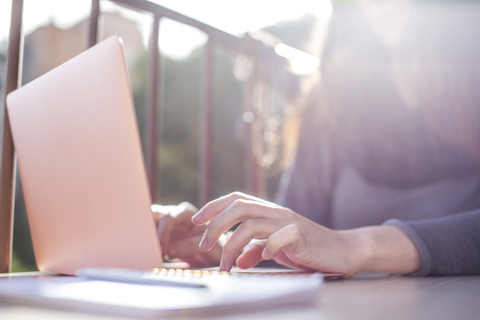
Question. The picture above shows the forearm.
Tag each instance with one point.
(383, 249)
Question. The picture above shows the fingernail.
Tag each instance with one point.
(204, 244)
(265, 254)
(196, 218)
(222, 265)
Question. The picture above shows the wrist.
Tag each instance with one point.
(362, 248)
(384, 249)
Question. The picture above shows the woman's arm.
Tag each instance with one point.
(448, 245)
(296, 241)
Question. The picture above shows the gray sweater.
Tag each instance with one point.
(448, 245)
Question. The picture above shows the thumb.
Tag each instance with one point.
(251, 255)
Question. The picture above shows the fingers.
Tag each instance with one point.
(211, 209)
(184, 248)
(283, 259)
(176, 222)
(251, 255)
(187, 250)
(290, 236)
(159, 211)
(238, 211)
(248, 230)
(183, 220)
(164, 230)
(184, 208)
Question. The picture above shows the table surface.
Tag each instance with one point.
(367, 296)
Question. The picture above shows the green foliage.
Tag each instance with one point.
(19, 266)
(179, 156)
(23, 257)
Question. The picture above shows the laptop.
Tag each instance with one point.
(81, 165)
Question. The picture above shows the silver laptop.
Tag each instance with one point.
(81, 165)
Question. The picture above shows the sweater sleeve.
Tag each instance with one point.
(448, 245)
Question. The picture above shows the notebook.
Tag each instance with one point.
(153, 301)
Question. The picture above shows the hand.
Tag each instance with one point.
(179, 238)
(295, 241)
(290, 238)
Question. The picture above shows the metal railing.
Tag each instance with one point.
(8, 164)
(246, 45)
(216, 37)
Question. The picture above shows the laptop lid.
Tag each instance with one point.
(81, 165)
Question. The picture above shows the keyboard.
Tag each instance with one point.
(186, 277)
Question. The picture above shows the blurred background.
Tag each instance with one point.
(57, 30)
(349, 112)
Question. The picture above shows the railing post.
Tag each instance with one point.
(250, 160)
(93, 23)
(154, 110)
(255, 182)
(8, 164)
(206, 124)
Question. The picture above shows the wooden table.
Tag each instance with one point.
(367, 296)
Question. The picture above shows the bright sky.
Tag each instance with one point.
(235, 17)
